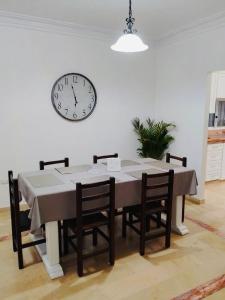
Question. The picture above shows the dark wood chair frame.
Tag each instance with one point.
(151, 206)
(184, 164)
(42, 165)
(95, 160)
(16, 216)
(96, 157)
(64, 161)
(78, 228)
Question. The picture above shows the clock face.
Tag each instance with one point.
(74, 97)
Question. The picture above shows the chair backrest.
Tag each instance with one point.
(14, 200)
(182, 159)
(95, 197)
(96, 158)
(157, 188)
(64, 161)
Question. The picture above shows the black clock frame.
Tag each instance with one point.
(52, 96)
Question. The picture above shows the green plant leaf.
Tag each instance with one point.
(154, 137)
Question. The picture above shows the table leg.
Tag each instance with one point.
(49, 252)
(177, 225)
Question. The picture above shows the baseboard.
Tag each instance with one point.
(4, 209)
(195, 200)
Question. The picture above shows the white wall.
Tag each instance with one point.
(176, 75)
(31, 130)
(182, 94)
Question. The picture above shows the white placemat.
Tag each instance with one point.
(44, 180)
(127, 163)
(163, 165)
(92, 179)
(74, 169)
(138, 174)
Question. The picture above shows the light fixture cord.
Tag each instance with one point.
(130, 9)
(130, 21)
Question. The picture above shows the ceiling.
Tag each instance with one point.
(154, 18)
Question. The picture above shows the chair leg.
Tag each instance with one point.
(131, 218)
(168, 233)
(80, 255)
(183, 208)
(147, 223)
(124, 226)
(65, 238)
(142, 235)
(95, 237)
(20, 258)
(20, 251)
(13, 229)
(158, 220)
(111, 243)
(14, 246)
(14, 241)
(167, 240)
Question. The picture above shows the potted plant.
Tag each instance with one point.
(154, 137)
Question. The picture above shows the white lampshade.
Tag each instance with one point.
(129, 42)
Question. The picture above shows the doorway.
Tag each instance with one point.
(215, 134)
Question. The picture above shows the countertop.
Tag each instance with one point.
(216, 136)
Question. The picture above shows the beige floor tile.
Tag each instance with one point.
(160, 275)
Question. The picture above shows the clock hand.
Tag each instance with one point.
(74, 96)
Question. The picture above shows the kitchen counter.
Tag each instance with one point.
(216, 139)
(216, 136)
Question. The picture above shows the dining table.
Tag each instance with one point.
(51, 197)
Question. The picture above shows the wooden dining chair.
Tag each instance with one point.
(19, 220)
(118, 212)
(42, 165)
(64, 161)
(95, 208)
(96, 157)
(156, 198)
(183, 160)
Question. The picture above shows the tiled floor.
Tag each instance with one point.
(192, 260)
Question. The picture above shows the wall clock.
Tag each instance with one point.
(74, 97)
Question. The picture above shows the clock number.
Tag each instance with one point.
(89, 106)
(56, 96)
(93, 98)
(66, 109)
(60, 87)
(75, 79)
(84, 112)
(59, 105)
(84, 82)
(75, 116)
(66, 81)
(90, 89)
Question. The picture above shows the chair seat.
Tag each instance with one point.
(132, 209)
(89, 221)
(25, 222)
(151, 208)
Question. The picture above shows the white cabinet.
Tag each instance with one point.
(215, 159)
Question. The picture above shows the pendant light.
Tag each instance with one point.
(129, 41)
